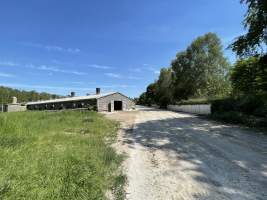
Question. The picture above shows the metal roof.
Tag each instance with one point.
(95, 96)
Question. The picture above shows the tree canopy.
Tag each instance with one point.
(164, 90)
(7, 93)
(200, 70)
(255, 40)
(249, 76)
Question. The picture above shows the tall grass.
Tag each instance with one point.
(58, 155)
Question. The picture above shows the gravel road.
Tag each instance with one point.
(180, 156)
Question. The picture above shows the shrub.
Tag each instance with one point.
(240, 118)
(250, 104)
(223, 105)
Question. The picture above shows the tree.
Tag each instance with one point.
(183, 77)
(164, 91)
(23, 96)
(249, 76)
(201, 70)
(255, 21)
(142, 100)
(151, 93)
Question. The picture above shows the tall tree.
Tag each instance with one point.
(255, 40)
(164, 92)
(151, 93)
(201, 70)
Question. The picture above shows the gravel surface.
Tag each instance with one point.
(180, 156)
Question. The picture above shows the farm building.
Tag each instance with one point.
(101, 102)
(13, 107)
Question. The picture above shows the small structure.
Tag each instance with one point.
(108, 102)
(14, 106)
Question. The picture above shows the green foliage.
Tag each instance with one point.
(201, 70)
(6, 95)
(249, 76)
(256, 22)
(195, 101)
(164, 91)
(183, 77)
(248, 104)
(159, 92)
(58, 155)
(224, 105)
(151, 96)
(142, 100)
(235, 117)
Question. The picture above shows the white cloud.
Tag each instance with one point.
(113, 75)
(54, 69)
(8, 63)
(41, 67)
(15, 85)
(100, 66)
(154, 70)
(6, 75)
(52, 47)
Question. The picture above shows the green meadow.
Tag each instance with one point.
(59, 155)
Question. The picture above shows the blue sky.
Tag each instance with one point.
(60, 46)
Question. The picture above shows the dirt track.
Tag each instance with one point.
(180, 156)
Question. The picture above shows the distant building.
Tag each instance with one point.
(14, 106)
(108, 102)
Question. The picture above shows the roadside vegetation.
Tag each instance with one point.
(201, 74)
(58, 155)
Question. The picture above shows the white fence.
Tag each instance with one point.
(204, 109)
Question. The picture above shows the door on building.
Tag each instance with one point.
(117, 105)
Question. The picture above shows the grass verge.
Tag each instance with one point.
(58, 155)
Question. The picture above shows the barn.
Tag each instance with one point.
(106, 102)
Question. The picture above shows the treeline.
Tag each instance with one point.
(7, 93)
(199, 71)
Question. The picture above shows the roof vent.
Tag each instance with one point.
(97, 90)
(14, 100)
(72, 94)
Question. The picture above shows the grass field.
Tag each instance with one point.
(58, 155)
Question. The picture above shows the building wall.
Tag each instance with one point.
(14, 108)
(195, 109)
(104, 103)
(87, 103)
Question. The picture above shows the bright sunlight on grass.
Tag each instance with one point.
(58, 155)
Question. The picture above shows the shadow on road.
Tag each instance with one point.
(230, 161)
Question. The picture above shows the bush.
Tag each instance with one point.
(223, 105)
(254, 105)
(240, 118)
